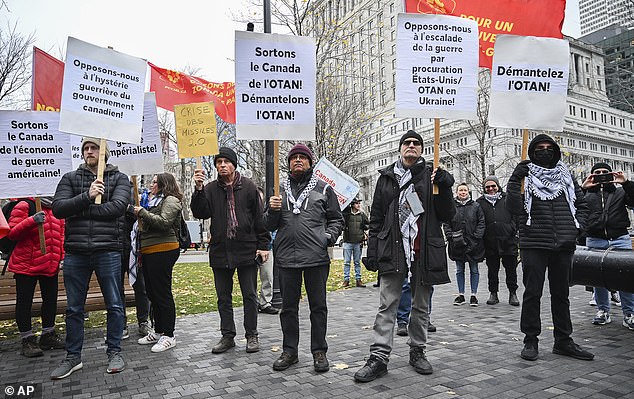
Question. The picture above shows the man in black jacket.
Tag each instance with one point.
(607, 227)
(551, 213)
(239, 241)
(500, 240)
(354, 231)
(406, 241)
(93, 241)
(308, 220)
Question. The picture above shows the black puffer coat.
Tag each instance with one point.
(609, 216)
(385, 248)
(500, 234)
(90, 227)
(552, 225)
(251, 235)
(470, 219)
(302, 239)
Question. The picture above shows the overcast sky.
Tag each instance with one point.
(170, 34)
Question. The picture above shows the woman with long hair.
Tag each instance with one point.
(158, 228)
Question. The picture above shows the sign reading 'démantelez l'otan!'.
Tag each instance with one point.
(102, 93)
(529, 83)
(436, 66)
(275, 86)
(196, 134)
(34, 155)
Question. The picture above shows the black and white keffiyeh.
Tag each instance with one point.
(297, 203)
(493, 198)
(548, 184)
(407, 220)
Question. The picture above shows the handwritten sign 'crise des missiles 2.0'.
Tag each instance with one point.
(196, 134)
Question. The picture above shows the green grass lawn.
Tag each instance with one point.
(193, 287)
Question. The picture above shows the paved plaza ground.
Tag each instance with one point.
(475, 354)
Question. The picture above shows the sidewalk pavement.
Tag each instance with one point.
(475, 354)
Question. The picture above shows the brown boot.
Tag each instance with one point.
(345, 284)
(360, 284)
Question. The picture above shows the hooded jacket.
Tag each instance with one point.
(92, 227)
(302, 239)
(26, 257)
(385, 248)
(552, 225)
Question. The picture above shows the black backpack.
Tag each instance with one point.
(7, 245)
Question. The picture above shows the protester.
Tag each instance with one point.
(93, 242)
(239, 241)
(406, 241)
(607, 227)
(308, 220)
(30, 267)
(158, 228)
(465, 234)
(551, 212)
(500, 240)
(354, 232)
(265, 296)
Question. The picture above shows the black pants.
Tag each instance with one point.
(510, 269)
(534, 265)
(291, 288)
(140, 295)
(248, 279)
(24, 289)
(157, 271)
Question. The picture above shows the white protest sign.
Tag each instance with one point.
(529, 82)
(34, 155)
(343, 185)
(275, 86)
(436, 66)
(102, 94)
(131, 159)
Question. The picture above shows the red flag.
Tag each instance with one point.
(514, 17)
(48, 75)
(173, 88)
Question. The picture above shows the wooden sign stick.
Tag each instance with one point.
(101, 165)
(436, 148)
(276, 168)
(40, 227)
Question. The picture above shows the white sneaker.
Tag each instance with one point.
(164, 343)
(151, 338)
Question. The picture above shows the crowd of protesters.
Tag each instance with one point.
(415, 223)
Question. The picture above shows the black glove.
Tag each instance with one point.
(443, 178)
(521, 170)
(39, 217)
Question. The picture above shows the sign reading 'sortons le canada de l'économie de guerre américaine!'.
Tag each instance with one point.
(275, 86)
(529, 83)
(131, 159)
(34, 155)
(102, 93)
(436, 67)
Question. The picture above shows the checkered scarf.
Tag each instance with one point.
(407, 220)
(547, 184)
(297, 203)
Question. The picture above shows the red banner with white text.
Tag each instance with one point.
(48, 76)
(542, 18)
(174, 88)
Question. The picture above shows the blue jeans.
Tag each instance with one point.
(77, 273)
(351, 251)
(405, 303)
(602, 295)
(475, 276)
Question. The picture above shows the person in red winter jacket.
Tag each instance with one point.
(31, 266)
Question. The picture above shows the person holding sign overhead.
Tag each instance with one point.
(308, 220)
(406, 241)
(239, 242)
(551, 213)
(93, 243)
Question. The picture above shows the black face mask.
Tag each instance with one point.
(544, 157)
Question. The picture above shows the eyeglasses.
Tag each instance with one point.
(407, 143)
(488, 187)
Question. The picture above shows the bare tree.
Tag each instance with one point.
(15, 65)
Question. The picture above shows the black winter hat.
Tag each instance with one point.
(228, 153)
(601, 165)
(410, 134)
